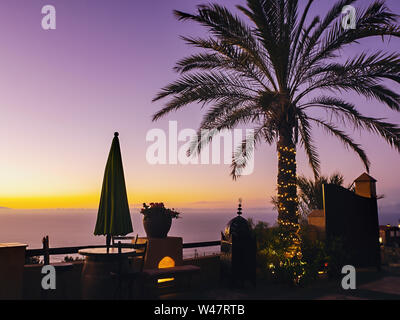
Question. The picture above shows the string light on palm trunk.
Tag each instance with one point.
(287, 194)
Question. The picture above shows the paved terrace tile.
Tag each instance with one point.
(371, 285)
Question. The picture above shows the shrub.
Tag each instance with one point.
(157, 209)
(72, 259)
(337, 256)
(273, 263)
(33, 260)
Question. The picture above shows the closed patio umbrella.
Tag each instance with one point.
(113, 217)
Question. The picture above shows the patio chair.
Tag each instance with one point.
(114, 238)
(126, 280)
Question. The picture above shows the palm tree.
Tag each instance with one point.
(310, 191)
(273, 70)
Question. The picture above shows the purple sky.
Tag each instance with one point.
(64, 93)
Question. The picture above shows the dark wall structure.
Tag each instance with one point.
(354, 220)
(238, 253)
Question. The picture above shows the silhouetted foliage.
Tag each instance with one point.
(310, 192)
(316, 256)
(72, 259)
(337, 256)
(33, 260)
(159, 209)
(273, 264)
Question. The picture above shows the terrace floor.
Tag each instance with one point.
(371, 285)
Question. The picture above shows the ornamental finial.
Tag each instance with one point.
(240, 207)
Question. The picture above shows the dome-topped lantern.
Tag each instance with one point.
(238, 227)
(238, 251)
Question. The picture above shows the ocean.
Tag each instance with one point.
(67, 228)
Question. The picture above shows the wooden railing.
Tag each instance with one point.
(60, 250)
(46, 251)
(201, 244)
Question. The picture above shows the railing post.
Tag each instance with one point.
(46, 256)
(119, 247)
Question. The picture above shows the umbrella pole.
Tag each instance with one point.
(108, 241)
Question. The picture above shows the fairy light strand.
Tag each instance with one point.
(287, 194)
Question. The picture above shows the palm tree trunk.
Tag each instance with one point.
(287, 189)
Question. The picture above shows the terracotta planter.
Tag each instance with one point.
(157, 225)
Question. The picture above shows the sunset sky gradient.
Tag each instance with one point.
(64, 93)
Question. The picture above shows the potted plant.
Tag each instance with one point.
(157, 219)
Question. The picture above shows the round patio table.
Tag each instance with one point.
(97, 282)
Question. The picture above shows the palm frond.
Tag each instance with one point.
(376, 66)
(308, 144)
(224, 116)
(244, 152)
(202, 88)
(348, 114)
(231, 32)
(298, 31)
(366, 85)
(376, 20)
(345, 139)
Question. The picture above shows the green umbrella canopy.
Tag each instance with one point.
(113, 218)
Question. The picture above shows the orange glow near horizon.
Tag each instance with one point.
(200, 195)
(91, 201)
(50, 202)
